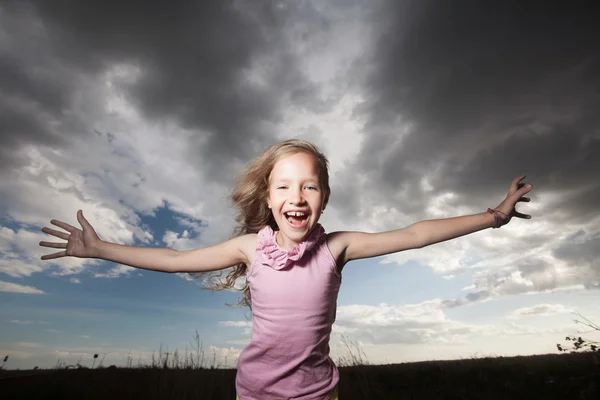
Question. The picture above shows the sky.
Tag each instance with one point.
(142, 113)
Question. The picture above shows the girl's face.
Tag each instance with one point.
(295, 197)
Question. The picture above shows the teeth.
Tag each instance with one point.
(296, 214)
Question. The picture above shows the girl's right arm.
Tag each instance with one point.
(85, 243)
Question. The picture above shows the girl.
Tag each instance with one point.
(292, 267)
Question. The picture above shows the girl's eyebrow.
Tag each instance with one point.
(287, 180)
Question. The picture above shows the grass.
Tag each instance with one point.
(195, 375)
(560, 376)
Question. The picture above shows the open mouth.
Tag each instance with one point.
(296, 218)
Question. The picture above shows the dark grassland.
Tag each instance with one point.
(562, 376)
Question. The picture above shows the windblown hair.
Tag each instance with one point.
(250, 198)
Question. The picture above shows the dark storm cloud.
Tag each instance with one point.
(489, 91)
(192, 55)
(565, 159)
(581, 251)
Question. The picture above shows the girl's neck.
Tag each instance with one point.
(280, 240)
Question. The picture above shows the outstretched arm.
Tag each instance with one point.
(356, 245)
(85, 243)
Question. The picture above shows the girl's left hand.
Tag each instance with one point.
(515, 194)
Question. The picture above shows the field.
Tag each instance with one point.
(561, 376)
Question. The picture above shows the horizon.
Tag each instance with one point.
(424, 111)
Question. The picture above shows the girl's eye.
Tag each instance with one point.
(311, 187)
(282, 187)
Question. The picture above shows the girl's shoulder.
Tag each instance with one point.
(247, 245)
(337, 244)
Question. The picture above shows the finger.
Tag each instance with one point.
(56, 233)
(514, 184)
(64, 225)
(518, 179)
(54, 245)
(520, 215)
(82, 221)
(524, 188)
(54, 255)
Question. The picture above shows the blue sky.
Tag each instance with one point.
(423, 111)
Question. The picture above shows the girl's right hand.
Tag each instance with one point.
(79, 243)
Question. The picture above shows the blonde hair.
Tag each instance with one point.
(250, 198)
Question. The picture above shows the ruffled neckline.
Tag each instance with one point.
(279, 258)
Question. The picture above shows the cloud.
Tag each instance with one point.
(416, 324)
(115, 272)
(16, 288)
(236, 324)
(17, 268)
(46, 356)
(208, 85)
(18, 354)
(581, 250)
(540, 310)
(425, 110)
(87, 134)
(456, 104)
(21, 256)
(386, 324)
(28, 344)
(544, 262)
(239, 342)
(227, 356)
(246, 332)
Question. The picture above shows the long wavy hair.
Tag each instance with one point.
(249, 197)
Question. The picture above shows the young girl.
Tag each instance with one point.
(292, 267)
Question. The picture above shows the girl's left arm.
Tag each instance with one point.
(356, 245)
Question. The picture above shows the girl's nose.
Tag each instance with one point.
(296, 197)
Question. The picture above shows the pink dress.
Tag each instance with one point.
(294, 296)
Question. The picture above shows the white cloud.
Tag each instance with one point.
(18, 268)
(525, 257)
(223, 356)
(18, 354)
(115, 272)
(22, 257)
(46, 356)
(28, 344)
(246, 331)
(111, 183)
(239, 342)
(236, 324)
(18, 321)
(540, 310)
(411, 323)
(385, 315)
(16, 288)
(12, 244)
(181, 241)
(414, 324)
